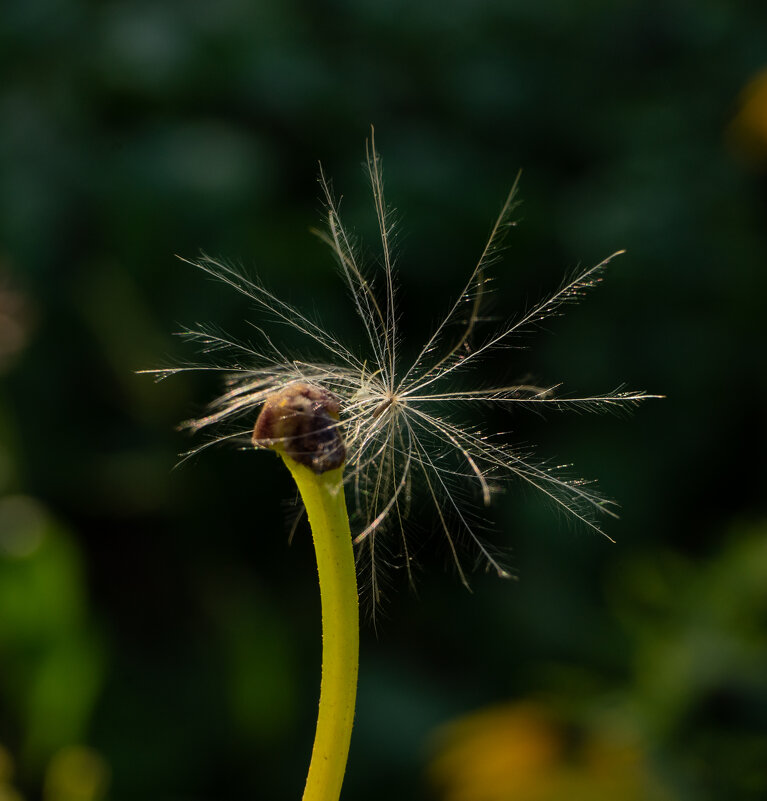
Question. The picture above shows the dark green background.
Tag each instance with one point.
(158, 616)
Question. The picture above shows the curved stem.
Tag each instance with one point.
(323, 496)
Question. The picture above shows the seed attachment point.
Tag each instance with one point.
(302, 421)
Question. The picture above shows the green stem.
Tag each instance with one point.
(323, 497)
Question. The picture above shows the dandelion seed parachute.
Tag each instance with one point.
(395, 419)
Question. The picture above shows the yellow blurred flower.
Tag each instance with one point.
(76, 773)
(523, 752)
(7, 792)
(747, 134)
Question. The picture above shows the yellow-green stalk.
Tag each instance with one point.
(301, 424)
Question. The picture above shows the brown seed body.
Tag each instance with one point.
(302, 421)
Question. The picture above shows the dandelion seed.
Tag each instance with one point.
(395, 419)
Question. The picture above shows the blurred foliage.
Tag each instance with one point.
(154, 626)
(52, 661)
(693, 696)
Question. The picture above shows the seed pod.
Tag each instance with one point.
(301, 421)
